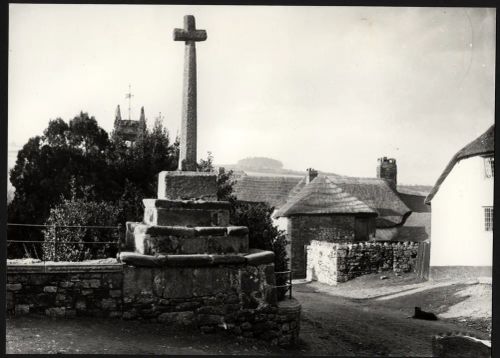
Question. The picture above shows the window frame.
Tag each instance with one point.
(489, 167)
(488, 214)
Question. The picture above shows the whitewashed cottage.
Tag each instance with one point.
(462, 212)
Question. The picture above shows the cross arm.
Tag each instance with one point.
(193, 35)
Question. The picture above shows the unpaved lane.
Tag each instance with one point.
(35, 334)
(333, 325)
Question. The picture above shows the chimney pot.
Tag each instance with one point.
(311, 174)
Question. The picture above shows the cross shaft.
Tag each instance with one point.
(189, 32)
(187, 155)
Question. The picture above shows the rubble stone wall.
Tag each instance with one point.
(339, 262)
(65, 290)
(303, 229)
(237, 299)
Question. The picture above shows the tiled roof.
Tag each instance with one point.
(483, 145)
(321, 196)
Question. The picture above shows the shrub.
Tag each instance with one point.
(281, 263)
(262, 233)
(80, 212)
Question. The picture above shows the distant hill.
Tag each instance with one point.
(259, 163)
(261, 166)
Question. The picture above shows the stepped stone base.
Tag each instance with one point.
(186, 212)
(254, 257)
(187, 185)
(152, 240)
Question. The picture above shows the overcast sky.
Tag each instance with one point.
(332, 88)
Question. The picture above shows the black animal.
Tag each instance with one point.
(419, 314)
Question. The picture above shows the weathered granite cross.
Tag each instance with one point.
(189, 34)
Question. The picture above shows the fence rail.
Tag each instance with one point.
(56, 242)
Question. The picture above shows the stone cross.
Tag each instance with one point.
(189, 34)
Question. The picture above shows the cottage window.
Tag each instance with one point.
(489, 167)
(488, 218)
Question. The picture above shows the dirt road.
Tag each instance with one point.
(333, 325)
(84, 335)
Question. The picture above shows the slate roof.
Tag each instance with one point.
(482, 145)
(268, 189)
(322, 196)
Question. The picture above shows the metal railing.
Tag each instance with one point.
(56, 242)
(288, 284)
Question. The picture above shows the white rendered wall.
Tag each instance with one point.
(282, 224)
(458, 237)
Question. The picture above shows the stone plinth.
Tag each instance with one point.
(186, 212)
(255, 257)
(181, 240)
(187, 185)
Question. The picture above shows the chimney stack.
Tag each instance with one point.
(311, 174)
(388, 170)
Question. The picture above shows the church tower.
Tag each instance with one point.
(129, 130)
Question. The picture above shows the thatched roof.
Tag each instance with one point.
(269, 189)
(375, 193)
(321, 196)
(379, 196)
(483, 145)
(420, 190)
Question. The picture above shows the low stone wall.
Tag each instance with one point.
(239, 298)
(65, 290)
(339, 262)
(235, 298)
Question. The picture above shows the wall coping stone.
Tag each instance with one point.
(180, 173)
(196, 260)
(290, 305)
(258, 257)
(195, 204)
(237, 230)
(63, 267)
(210, 230)
(183, 231)
(165, 230)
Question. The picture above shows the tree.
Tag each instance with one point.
(83, 151)
(46, 163)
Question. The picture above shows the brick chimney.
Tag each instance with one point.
(388, 170)
(311, 174)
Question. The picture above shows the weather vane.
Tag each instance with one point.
(129, 95)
